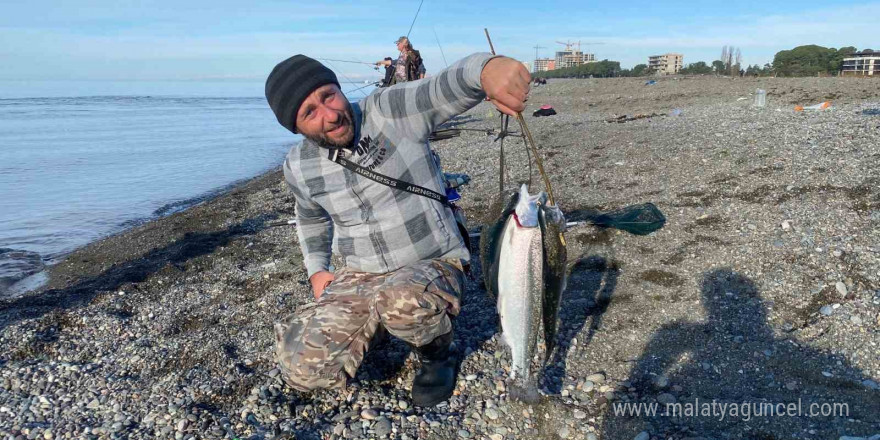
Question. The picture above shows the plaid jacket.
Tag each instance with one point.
(373, 227)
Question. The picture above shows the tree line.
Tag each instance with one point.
(809, 60)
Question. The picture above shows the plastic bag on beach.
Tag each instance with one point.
(815, 107)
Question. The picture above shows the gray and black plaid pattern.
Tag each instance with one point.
(376, 228)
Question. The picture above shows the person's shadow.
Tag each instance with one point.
(733, 358)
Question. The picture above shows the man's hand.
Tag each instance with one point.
(383, 63)
(506, 83)
(320, 281)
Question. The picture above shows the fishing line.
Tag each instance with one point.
(531, 141)
(346, 61)
(347, 79)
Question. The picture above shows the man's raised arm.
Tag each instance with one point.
(417, 107)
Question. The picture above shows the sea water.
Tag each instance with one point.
(82, 160)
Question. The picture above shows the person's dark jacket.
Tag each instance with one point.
(414, 66)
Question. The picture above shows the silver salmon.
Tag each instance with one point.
(524, 267)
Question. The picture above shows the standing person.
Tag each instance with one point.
(402, 249)
(409, 66)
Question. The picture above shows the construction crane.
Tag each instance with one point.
(568, 44)
(535, 64)
(570, 57)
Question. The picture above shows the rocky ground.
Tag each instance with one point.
(764, 287)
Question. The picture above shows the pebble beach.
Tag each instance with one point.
(763, 287)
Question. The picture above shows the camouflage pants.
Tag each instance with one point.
(323, 343)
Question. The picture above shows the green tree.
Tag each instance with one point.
(600, 69)
(719, 66)
(810, 60)
(837, 59)
(640, 70)
(698, 68)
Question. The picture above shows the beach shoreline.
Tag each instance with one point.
(40, 280)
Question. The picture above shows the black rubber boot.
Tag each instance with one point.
(435, 380)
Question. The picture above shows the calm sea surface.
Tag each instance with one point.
(81, 160)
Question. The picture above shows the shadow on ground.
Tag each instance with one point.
(734, 358)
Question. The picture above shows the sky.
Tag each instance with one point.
(234, 40)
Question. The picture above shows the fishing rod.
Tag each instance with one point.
(348, 61)
(488, 131)
(348, 79)
(374, 84)
(441, 47)
(414, 19)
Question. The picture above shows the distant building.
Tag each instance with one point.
(666, 64)
(864, 63)
(573, 57)
(544, 64)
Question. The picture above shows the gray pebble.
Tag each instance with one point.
(666, 398)
(369, 414)
(382, 427)
(660, 381)
(492, 414)
(826, 310)
(580, 415)
(463, 433)
(596, 377)
(643, 436)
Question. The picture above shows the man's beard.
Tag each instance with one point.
(346, 119)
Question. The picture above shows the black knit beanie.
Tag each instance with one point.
(290, 82)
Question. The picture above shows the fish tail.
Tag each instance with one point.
(526, 391)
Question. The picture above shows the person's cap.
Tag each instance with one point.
(291, 82)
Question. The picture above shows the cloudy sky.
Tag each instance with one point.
(239, 40)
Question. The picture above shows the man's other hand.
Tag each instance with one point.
(506, 82)
(320, 281)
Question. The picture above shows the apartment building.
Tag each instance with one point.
(864, 63)
(545, 64)
(573, 57)
(666, 64)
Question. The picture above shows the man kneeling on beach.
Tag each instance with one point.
(402, 248)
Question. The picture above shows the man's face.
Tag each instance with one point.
(401, 45)
(326, 118)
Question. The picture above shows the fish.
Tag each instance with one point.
(552, 224)
(523, 258)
